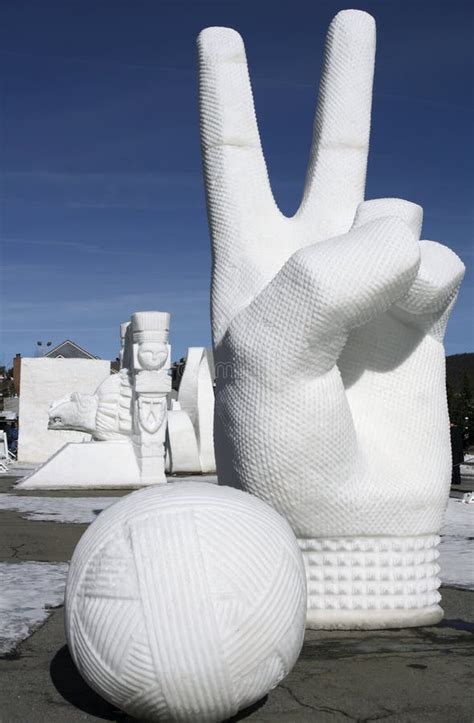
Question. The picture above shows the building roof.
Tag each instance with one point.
(69, 350)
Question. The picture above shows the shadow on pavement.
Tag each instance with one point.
(245, 712)
(69, 684)
(457, 624)
(73, 688)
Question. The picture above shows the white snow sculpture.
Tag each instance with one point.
(182, 448)
(335, 411)
(43, 380)
(87, 465)
(126, 417)
(126, 345)
(196, 398)
(108, 415)
(151, 384)
(186, 602)
(130, 405)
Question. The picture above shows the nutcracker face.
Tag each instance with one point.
(152, 355)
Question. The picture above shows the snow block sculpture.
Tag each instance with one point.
(105, 415)
(183, 451)
(329, 325)
(87, 465)
(186, 602)
(126, 416)
(195, 405)
(41, 381)
(110, 416)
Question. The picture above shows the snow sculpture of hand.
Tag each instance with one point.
(328, 328)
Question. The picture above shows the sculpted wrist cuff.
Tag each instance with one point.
(372, 582)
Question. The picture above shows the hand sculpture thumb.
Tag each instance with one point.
(307, 443)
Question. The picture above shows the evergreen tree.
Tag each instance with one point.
(461, 409)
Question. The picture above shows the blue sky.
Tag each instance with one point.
(102, 197)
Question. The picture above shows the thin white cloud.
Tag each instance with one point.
(80, 245)
(159, 190)
(112, 250)
(21, 315)
(181, 72)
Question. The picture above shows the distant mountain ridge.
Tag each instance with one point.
(457, 366)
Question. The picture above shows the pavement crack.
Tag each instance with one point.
(383, 716)
(317, 709)
(16, 549)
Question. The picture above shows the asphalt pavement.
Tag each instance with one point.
(420, 675)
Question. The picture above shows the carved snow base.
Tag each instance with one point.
(87, 465)
(372, 582)
(113, 464)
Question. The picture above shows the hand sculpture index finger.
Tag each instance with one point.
(251, 238)
(234, 165)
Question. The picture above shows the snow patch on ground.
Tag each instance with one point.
(457, 545)
(27, 590)
(467, 469)
(456, 549)
(80, 510)
(57, 509)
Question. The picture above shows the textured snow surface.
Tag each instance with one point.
(27, 589)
